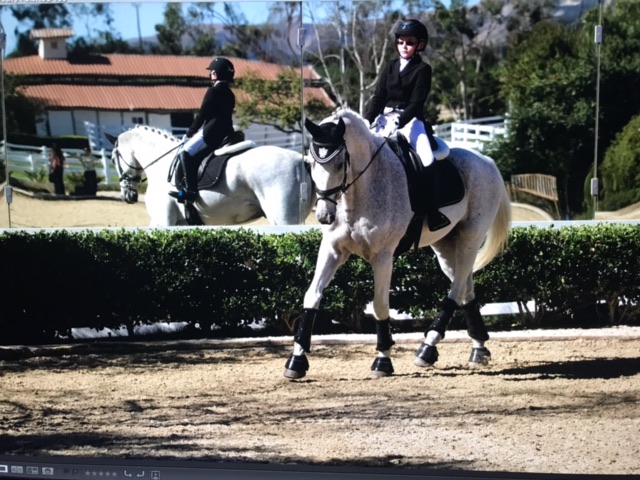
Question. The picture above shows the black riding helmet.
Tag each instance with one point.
(223, 68)
(413, 28)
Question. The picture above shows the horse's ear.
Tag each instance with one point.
(111, 138)
(313, 128)
(340, 129)
(329, 133)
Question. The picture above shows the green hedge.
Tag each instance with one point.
(227, 279)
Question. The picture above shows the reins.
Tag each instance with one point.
(138, 178)
(344, 186)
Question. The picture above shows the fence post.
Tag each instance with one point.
(45, 156)
(105, 166)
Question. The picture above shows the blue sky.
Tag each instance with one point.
(151, 14)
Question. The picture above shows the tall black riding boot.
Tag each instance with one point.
(435, 219)
(189, 188)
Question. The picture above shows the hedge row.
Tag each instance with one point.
(229, 279)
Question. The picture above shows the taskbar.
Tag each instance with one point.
(73, 468)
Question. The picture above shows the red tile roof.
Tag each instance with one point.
(50, 33)
(137, 97)
(121, 65)
(127, 97)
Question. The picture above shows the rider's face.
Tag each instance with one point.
(407, 46)
(213, 76)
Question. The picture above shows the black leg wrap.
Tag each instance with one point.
(479, 357)
(382, 365)
(385, 342)
(305, 328)
(426, 355)
(475, 325)
(442, 320)
(296, 366)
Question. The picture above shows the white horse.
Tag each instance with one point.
(364, 204)
(264, 181)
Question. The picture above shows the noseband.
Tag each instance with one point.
(125, 177)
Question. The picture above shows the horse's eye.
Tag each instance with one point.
(338, 165)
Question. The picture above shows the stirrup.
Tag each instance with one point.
(437, 220)
(183, 195)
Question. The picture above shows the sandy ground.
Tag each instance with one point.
(559, 404)
(108, 210)
(565, 403)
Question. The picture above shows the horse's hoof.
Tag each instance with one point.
(480, 357)
(426, 356)
(382, 367)
(296, 367)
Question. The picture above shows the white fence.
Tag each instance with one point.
(29, 159)
(260, 134)
(471, 133)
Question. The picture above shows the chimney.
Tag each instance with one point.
(52, 42)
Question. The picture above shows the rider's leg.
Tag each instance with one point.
(189, 189)
(435, 218)
(416, 133)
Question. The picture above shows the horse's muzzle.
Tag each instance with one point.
(325, 212)
(129, 195)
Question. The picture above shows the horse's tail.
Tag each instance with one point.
(498, 235)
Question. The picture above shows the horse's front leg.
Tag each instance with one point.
(329, 260)
(382, 270)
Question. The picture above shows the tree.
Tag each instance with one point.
(352, 45)
(21, 114)
(102, 36)
(275, 102)
(170, 32)
(467, 45)
(549, 81)
(43, 15)
(621, 168)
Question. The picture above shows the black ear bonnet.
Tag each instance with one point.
(328, 140)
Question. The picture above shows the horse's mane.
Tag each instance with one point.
(359, 127)
(157, 131)
(356, 120)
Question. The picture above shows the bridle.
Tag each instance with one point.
(125, 177)
(323, 153)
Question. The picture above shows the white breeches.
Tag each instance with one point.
(195, 143)
(387, 124)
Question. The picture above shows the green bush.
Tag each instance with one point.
(621, 168)
(225, 281)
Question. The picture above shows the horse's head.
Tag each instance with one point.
(342, 149)
(128, 168)
(329, 165)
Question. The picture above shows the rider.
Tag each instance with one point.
(211, 125)
(403, 87)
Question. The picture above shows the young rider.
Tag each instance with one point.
(211, 125)
(401, 93)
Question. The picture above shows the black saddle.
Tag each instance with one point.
(450, 191)
(211, 165)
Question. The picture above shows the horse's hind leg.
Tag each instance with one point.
(480, 355)
(457, 264)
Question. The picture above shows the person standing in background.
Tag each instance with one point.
(56, 169)
(90, 186)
